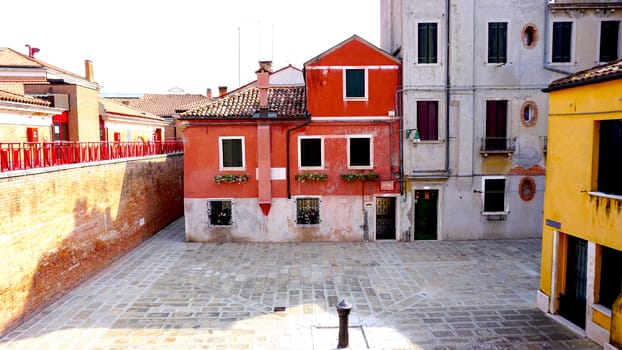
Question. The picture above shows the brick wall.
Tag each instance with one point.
(59, 227)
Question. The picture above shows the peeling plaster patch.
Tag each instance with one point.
(526, 157)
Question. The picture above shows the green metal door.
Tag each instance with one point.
(572, 300)
(426, 206)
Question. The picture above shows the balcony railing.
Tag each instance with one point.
(30, 155)
(498, 145)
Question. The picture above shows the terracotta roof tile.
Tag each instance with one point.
(121, 109)
(596, 74)
(162, 104)
(13, 97)
(285, 101)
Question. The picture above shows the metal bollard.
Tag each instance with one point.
(343, 309)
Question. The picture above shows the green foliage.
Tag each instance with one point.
(306, 176)
(359, 176)
(231, 178)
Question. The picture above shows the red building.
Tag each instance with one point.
(281, 160)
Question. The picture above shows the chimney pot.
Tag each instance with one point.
(222, 90)
(265, 66)
(208, 93)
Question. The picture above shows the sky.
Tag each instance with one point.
(151, 46)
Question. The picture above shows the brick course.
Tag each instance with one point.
(61, 225)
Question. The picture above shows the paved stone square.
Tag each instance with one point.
(169, 294)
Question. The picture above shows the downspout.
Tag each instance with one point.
(447, 86)
(545, 64)
(287, 133)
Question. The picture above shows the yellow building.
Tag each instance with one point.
(581, 274)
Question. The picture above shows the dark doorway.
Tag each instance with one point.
(426, 211)
(385, 218)
(572, 300)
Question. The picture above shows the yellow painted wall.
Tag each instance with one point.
(572, 167)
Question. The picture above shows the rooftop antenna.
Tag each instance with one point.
(239, 58)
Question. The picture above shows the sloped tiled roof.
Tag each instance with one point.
(13, 97)
(285, 101)
(121, 109)
(12, 58)
(609, 71)
(162, 104)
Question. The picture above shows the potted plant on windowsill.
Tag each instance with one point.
(307, 176)
(231, 178)
(360, 176)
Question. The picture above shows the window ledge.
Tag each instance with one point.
(492, 213)
(605, 195)
(428, 142)
(507, 152)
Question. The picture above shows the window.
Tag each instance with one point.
(529, 113)
(355, 83)
(231, 152)
(359, 152)
(427, 42)
(497, 42)
(609, 40)
(530, 36)
(310, 152)
(494, 194)
(562, 38)
(427, 120)
(308, 211)
(610, 276)
(496, 125)
(219, 212)
(610, 157)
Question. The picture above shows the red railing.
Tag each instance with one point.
(29, 155)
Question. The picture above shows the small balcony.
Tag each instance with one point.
(498, 145)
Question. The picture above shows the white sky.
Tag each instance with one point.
(150, 46)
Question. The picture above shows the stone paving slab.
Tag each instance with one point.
(170, 294)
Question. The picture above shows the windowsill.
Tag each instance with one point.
(360, 168)
(310, 168)
(428, 142)
(437, 64)
(507, 152)
(605, 195)
(355, 99)
(562, 64)
(493, 213)
(232, 169)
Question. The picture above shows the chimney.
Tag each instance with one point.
(208, 93)
(222, 90)
(263, 81)
(266, 66)
(88, 68)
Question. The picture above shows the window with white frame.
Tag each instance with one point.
(493, 194)
(231, 152)
(360, 152)
(310, 152)
(562, 42)
(220, 212)
(427, 43)
(355, 83)
(307, 211)
(497, 42)
(609, 33)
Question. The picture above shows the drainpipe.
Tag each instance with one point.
(447, 86)
(287, 133)
(545, 64)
